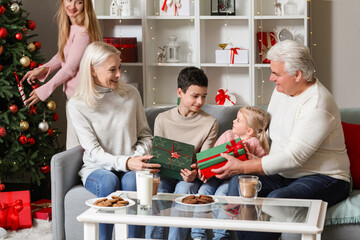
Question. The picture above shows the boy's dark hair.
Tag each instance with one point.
(191, 76)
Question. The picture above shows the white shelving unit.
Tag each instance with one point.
(199, 35)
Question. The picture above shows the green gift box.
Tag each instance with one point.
(172, 155)
(211, 158)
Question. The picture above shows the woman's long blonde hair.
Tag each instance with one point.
(259, 120)
(95, 55)
(87, 19)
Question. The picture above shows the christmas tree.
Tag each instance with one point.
(27, 139)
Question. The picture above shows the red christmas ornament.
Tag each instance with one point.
(31, 140)
(45, 169)
(55, 116)
(35, 86)
(2, 132)
(13, 108)
(32, 65)
(23, 139)
(19, 36)
(3, 32)
(50, 132)
(1, 49)
(0, 67)
(37, 45)
(31, 25)
(2, 9)
(2, 187)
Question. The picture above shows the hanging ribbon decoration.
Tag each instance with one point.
(21, 90)
(221, 97)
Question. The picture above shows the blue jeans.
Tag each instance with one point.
(102, 182)
(214, 186)
(171, 185)
(321, 187)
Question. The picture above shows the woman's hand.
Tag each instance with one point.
(33, 99)
(30, 76)
(140, 163)
(189, 175)
(201, 177)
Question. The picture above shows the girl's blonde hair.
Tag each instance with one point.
(258, 119)
(87, 19)
(95, 55)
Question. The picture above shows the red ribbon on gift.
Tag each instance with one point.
(4, 209)
(12, 217)
(117, 45)
(173, 153)
(177, 5)
(233, 148)
(164, 6)
(222, 96)
(232, 55)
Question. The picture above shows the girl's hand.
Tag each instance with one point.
(30, 76)
(201, 177)
(33, 99)
(189, 175)
(140, 163)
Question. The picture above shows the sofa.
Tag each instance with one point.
(69, 196)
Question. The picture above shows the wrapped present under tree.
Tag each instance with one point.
(172, 155)
(211, 158)
(15, 210)
(41, 209)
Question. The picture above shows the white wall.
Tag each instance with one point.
(336, 33)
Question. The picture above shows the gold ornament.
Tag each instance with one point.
(15, 7)
(51, 105)
(43, 126)
(223, 45)
(24, 125)
(25, 61)
(31, 47)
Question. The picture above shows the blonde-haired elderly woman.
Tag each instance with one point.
(111, 125)
(307, 158)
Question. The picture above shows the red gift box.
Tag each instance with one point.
(41, 209)
(15, 210)
(265, 41)
(127, 47)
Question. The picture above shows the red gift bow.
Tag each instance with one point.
(4, 211)
(233, 52)
(222, 96)
(117, 45)
(233, 148)
(173, 153)
(12, 217)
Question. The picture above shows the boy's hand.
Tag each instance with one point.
(189, 175)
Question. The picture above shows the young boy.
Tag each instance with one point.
(189, 124)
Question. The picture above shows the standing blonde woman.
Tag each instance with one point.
(78, 27)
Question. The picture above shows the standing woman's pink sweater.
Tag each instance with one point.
(74, 49)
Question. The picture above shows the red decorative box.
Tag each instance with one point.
(15, 210)
(127, 46)
(211, 158)
(41, 209)
(265, 41)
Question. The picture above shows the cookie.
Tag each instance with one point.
(114, 201)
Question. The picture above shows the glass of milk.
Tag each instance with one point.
(144, 184)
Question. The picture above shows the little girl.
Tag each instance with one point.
(250, 125)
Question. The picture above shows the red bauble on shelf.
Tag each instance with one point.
(23, 139)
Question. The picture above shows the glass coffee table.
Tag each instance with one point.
(232, 213)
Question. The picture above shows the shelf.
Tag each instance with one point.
(236, 65)
(224, 17)
(105, 17)
(171, 17)
(136, 64)
(273, 17)
(262, 65)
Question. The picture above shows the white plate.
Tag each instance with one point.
(90, 203)
(179, 201)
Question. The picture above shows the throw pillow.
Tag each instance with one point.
(352, 141)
